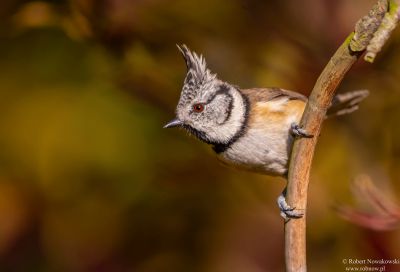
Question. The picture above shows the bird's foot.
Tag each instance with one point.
(298, 131)
(288, 212)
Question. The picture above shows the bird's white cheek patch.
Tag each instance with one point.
(221, 117)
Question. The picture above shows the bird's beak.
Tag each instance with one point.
(174, 123)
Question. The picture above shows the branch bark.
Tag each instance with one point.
(313, 116)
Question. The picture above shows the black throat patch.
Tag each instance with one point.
(202, 136)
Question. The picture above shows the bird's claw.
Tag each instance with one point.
(288, 212)
(298, 131)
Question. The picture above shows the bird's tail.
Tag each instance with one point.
(346, 103)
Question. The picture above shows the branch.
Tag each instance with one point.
(313, 116)
(389, 23)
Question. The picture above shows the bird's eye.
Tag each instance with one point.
(198, 107)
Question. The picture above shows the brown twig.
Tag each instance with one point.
(314, 114)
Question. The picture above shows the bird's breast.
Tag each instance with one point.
(267, 142)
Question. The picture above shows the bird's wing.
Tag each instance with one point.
(274, 106)
(267, 94)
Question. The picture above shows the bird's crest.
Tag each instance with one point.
(198, 75)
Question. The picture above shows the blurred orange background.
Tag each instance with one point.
(89, 180)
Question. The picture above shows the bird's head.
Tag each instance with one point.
(212, 110)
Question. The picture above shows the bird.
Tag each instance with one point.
(249, 129)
